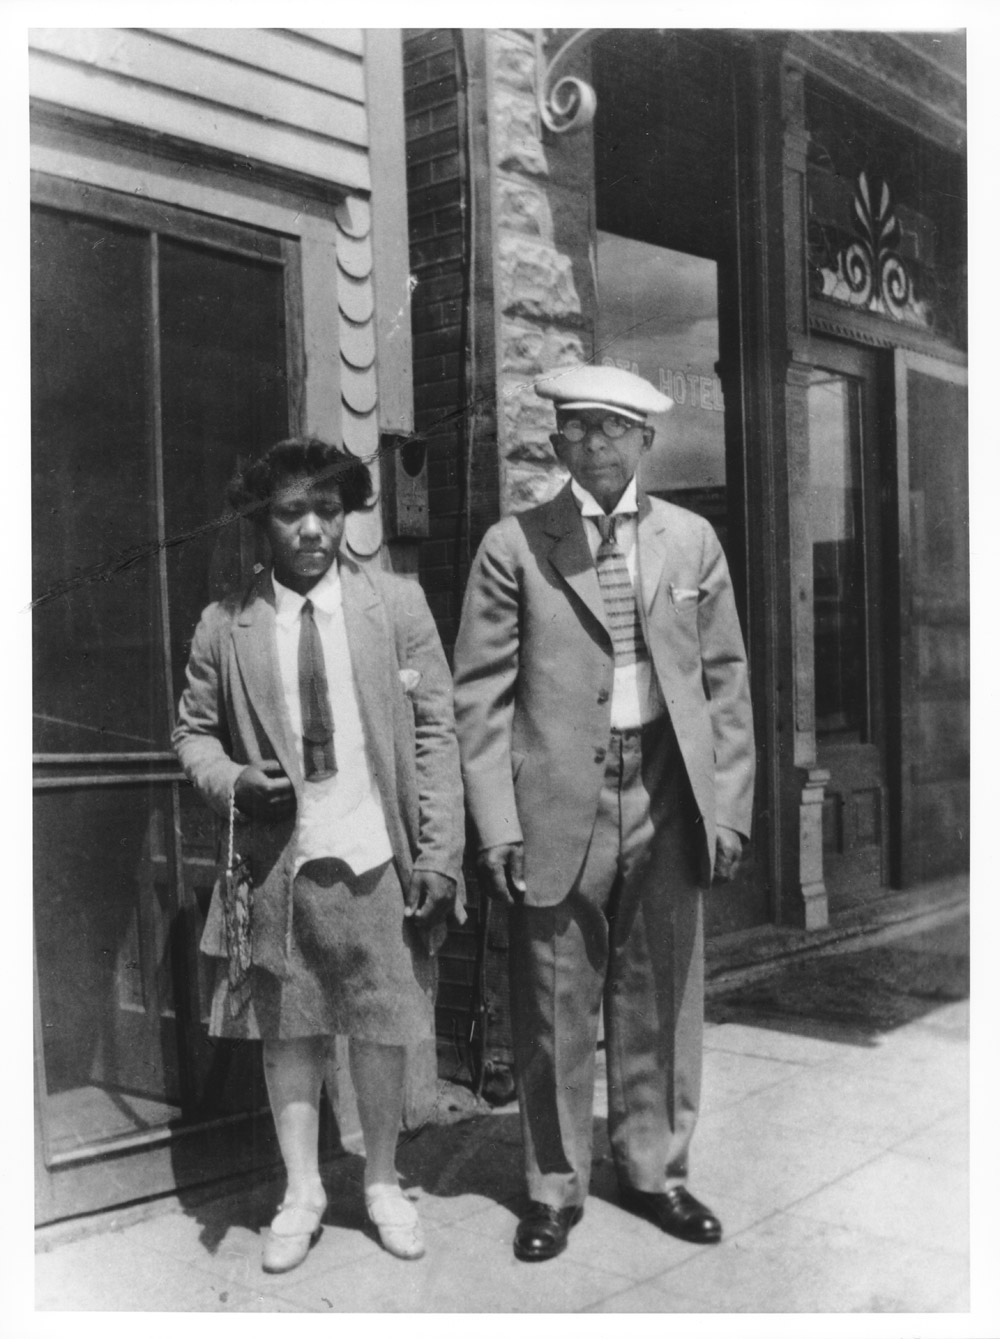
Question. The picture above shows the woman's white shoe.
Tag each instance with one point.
(396, 1221)
(293, 1230)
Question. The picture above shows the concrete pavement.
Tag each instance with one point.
(834, 1144)
(838, 1164)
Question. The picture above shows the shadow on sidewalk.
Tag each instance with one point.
(856, 994)
(483, 1157)
(479, 1156)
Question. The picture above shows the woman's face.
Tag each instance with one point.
(305, 525)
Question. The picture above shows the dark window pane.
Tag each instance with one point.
(225, 396)
(663, 138)
(938, 424)
(93, 502)
(104, 920)
(939, 735)
(836, 526)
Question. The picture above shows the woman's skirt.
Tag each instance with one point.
(357, 966)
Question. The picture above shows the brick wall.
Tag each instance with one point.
(435, 188)
(435, 191)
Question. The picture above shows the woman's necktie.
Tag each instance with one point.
(314, 696)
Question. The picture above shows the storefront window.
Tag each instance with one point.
(96, 684)
(222, 354)
(658, 316)
(837, 529)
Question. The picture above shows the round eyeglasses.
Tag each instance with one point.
(613, 427)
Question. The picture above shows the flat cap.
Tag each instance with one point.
(588, 387)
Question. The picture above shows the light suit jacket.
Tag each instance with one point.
(233, 713)
(534, 667)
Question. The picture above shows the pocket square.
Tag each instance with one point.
(409, 678)
(683, 595)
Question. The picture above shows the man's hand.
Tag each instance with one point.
(728, 854)
(504, 869)
(429, 898)
(264, 792)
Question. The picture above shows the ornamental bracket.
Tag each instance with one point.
(565, 104)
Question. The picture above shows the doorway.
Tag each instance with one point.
(845, 521)
(162, 353)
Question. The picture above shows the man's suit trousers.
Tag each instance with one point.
(628, 935)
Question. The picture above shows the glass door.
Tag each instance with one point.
(932, 725)
(160, 356)
(845, 534)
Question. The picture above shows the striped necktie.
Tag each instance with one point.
(620, 606)
(319, 758)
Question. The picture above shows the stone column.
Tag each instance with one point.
(542, 217)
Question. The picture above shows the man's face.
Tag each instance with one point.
(600, 462)
(305, 524)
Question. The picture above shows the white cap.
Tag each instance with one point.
(587, 387)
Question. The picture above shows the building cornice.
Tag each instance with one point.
(870, 67)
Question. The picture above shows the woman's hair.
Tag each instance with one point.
(252, 487)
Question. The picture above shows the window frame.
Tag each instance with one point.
(62, 769)
(146, 771)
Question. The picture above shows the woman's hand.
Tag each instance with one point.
(429, 898)
(264, 792)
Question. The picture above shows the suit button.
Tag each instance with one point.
(603, 696)
(600, 755)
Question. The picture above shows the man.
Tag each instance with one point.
(318, 704)
(607, 749)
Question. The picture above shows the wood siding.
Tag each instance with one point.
(293, 99)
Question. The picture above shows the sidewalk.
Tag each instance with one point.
(835, 1151)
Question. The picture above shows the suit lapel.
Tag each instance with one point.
(653, 540)
(372, 660)
(256, 647)
(570, 554)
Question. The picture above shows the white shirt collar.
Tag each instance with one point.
(325, 595)
(627, 504)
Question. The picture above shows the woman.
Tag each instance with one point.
(318, 713)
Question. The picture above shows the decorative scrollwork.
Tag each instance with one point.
(571, 105)
(869, 271)
(896, 286)
(566, 103)
(856, 267)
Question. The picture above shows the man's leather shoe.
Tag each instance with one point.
(543, 1231)
(675, 1211)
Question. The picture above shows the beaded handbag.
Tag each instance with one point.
(237, 902)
